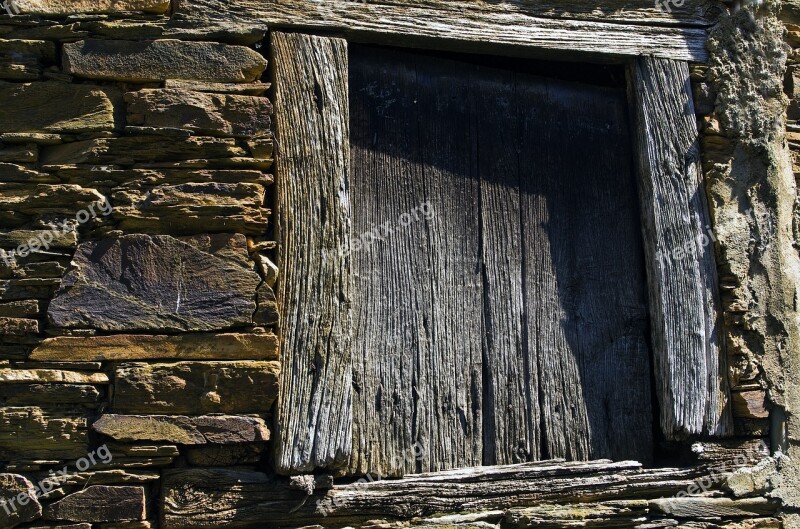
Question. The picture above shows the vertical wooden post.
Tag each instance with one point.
(690, 365)
(314, 421)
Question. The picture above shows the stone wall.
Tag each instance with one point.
(137, 312)
(139, 353)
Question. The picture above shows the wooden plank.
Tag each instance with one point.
(314, 420)
(702, 13)
(690, 373)
(209, 498)
(512, 414)
(448, 375)
(618, 29)
(388, 304)
(584, 272)
(418, 300)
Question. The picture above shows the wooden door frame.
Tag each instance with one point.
(312, 166)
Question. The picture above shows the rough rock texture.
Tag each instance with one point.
(224, 456)
(215, 429)
(181, 208)
(214, 114)
(11, 486)
(48, 394)
(195, 388)
(752, 194)
(99, 503)
(55, 107)
(33, 433)
(24, 60)
(149, 61)
(152, 283)
(129, 150)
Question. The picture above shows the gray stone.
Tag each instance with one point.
(225, 455)
(157, 60)
(13, 512)
(267, 311)
(152, 283)
(206, 429)
(100, 503)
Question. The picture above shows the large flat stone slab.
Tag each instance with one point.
(196, 387)
(150, 61)
(55, 107)
(216, 114)
(99, 503)
(196, 346)
(178, 429)
(153, 283)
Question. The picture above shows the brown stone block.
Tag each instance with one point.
(74, 7)
(33, 433)
(55, 107)
(214, 114)
(196, 387)
(750, 404)
(195, 346)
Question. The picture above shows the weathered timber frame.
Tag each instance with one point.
(314, 424)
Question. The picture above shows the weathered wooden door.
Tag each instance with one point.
(499, 293)
(467, 287)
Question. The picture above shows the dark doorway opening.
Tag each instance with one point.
(500, 310)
